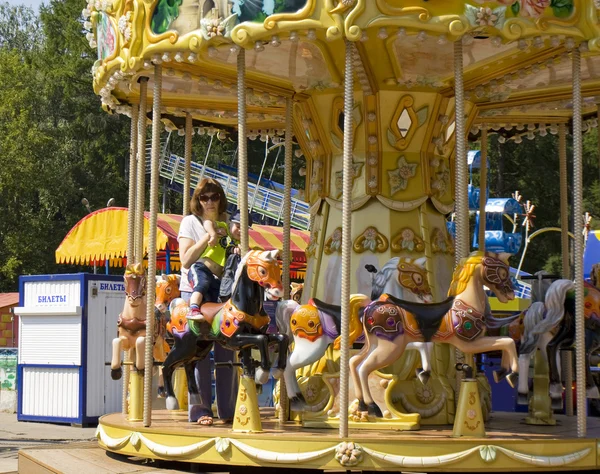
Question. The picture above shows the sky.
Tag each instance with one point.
(35, 4)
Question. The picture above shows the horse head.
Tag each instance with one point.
(412, 276)
(167, 289)
(178, 324)
(296, 291)
(135, 284)
(262, 267)
(490, 268)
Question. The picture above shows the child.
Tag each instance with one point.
(233, 257)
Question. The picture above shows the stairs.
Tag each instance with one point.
(263, 201)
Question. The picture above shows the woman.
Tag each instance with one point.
(208, 202)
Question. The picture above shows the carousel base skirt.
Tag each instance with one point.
(509, 445)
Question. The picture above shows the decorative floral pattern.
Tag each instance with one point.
(399, 177)
(125, 26)
(212, 27)
(407, 241)
(334, 243)
(530, 8)
(441, 242)
(349, 454)
(371, 240)
(339, 178)
(440, 181)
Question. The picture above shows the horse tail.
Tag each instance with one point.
(283, 314)
(357, 302)
(542, 318)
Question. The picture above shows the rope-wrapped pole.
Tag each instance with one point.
(461, 197)
(346, 233)
(141, 173)
(242, 190)
(482, 187)
(287, 222)
(567, 356)
(578, 245)
(130, 233)
(187, 170)
(151, 290)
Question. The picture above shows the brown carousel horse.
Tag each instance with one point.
(131, 332)
(390, 324)
(238, 324)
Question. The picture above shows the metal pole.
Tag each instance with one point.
(482, 188)
(578, 244)
(152, 229)
(206, 159)
(242, 190)
(346, 234)
(260, 174)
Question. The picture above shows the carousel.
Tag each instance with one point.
(375, 363)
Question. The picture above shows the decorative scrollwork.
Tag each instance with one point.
(371, 239)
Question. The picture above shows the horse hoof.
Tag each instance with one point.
(423, 375)
(362, 406)
(556, 403)
(277, 373)
(297, 404)
(512, 379)
(522, 399)
(500, 375)
(374, 410)
(261, 376)
(592, 392)
(172, 403)
(556, 390)
(116, 374)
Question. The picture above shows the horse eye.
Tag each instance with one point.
(262, 271)
(417, 278)
(181, 322)
(168, 290)
(311, 324)
(294, 322)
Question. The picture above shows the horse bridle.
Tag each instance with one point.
(491, 274)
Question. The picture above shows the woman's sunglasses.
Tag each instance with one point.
(211, 197)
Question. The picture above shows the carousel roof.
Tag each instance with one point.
(102, 235)
(516, 54)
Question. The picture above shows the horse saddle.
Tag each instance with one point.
(132, 326)
(210, 310)
(428, 316)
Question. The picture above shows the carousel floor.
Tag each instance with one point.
(510, 445)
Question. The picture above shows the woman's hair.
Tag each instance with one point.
(207, 185)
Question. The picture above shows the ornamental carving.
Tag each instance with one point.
(407, 241)
(334, 242)
(371, 239)
(441, 242)
(339, 178)
(398, 178)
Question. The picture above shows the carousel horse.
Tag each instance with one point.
(131, 332)
(538, 325)
(296, 291)
(565, 337)
(316, 325)
(167, 290)
(390, 324)
(238, 324)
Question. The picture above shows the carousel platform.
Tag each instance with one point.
(510, 445)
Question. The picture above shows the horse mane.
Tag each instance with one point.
(383, 276)
(542, 317)
(463, 273)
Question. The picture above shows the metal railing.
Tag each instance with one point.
(267, 202)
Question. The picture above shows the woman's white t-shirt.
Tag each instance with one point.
(190, 228)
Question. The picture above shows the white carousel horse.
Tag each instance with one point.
(316, 325)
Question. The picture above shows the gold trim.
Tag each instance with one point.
(353, 32)
(384, 8)
(406, 103)
(380, 241)
(306, 11)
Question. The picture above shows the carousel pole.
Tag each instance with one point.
(151, 290)
(287, 220)
(578, 245)
(189, 131)
(482, 187)
(346, 234)
(130, 234)
(242, 190)
(141, 173)
(567, 356)
(461, 197)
